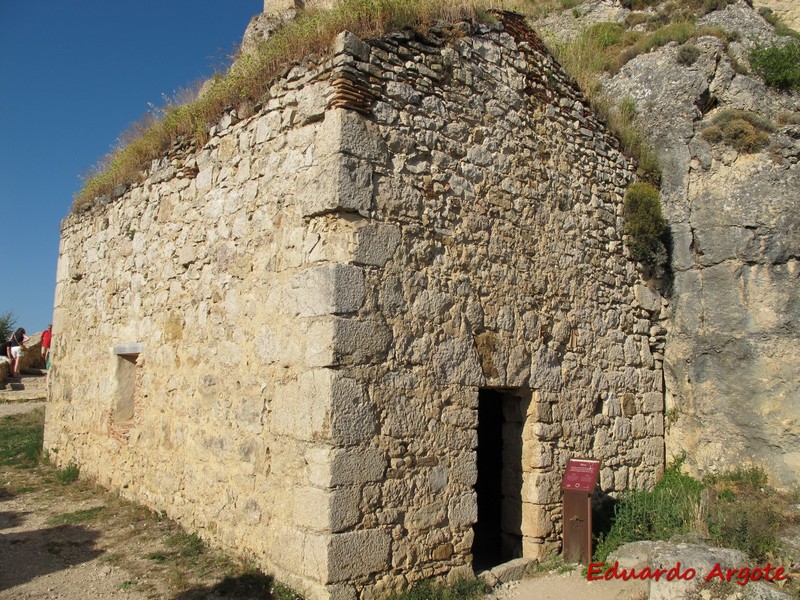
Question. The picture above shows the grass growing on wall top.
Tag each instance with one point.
(249, 78)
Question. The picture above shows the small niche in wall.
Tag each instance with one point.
(126, 378)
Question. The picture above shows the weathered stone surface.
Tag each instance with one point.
(340, 183)
(787, 10)
(729, 361)
(327, 289)
(356, 554)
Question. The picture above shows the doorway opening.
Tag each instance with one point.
(498, 531)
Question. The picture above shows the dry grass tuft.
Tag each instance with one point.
(745, 131)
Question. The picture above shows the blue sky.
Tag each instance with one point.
(73, 76)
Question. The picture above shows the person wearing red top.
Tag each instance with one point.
(47, 336)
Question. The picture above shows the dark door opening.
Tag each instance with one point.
(498, 535)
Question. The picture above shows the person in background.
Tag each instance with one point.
(16, 346)
(47, 336)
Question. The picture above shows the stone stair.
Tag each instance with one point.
(30, 387)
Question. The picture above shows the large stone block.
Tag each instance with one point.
(357, 554)
(323, 405)
(336, 342)
(301, 409)
(462, 511)
(541, 488)
(325, 290)
(325, 510)
(330, 467)
(353, 418)
(377, 243)
(338, 183)
(347, 132)
(456, 362)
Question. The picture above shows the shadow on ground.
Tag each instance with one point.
(255, 586)
(30, 554)
(10, 519)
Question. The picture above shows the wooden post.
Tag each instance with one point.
(578, 485)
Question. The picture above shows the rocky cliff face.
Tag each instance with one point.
(730, 364)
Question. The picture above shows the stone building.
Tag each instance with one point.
(357, 335)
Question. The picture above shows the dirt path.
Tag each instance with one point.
(43, 560)
(563, 586)
(43, 557)
(18, 408)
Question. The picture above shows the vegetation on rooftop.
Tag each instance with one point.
(601, 48)
(247, 82)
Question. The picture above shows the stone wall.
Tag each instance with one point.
(505, 195)
(210, 280)
(301, 324)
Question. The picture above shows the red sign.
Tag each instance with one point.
(581, 475)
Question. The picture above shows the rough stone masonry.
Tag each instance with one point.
(323, 332)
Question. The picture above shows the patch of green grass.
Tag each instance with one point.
(736, 509)
(788, 118)
(755, 477)
(778, 65)
(186, 544)
(781, 28)
(79, 516)
(635, 18)
(671, 416)
(712, 5)
(673, 506)
(745, 512)
(21, 440)
(68, 474)
(638, 4)
(159, 557)
(112, 558)
(463, 589)
(283, 592)
(644, 223)
(554, 563)
(182, 545)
